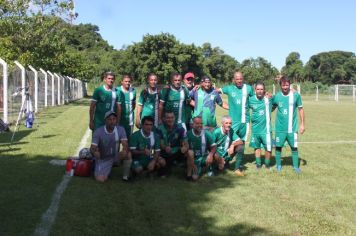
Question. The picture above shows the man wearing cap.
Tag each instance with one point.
(238, 95)
(105, 148)
(104, 99)
(189, 85)
(175, 98)
(205, 99)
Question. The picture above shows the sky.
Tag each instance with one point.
(242, 29)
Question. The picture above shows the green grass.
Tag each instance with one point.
(321, 201)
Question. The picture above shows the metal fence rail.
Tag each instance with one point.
(44, 87)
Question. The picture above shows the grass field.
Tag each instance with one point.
(320, 201)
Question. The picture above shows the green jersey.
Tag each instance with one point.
(174, 137)
(128, 100)
(105, 100)
(223, 141)
(287, 105)
(238, 102)
(139, 141)
(188, 109)
(261, 115)
(149, 100)
(201, 143)
(176, 101)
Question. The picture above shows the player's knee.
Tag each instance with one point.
(101, 178)
(240, 148)
(294, 149)
(138, 170)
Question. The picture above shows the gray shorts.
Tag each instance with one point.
(103, 167)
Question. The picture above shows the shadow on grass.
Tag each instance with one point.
(5, 138)
(170, 206)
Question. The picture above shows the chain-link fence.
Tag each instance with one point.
(33, 90)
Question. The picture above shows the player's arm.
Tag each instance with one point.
(118, 112)
(94, 149)
(302, 120)
(138, 115)
(184, 146)
(91, 114)
(160, 111)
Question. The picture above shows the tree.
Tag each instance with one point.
(294, 67)
(258, 69)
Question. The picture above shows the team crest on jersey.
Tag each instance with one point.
(102, 97)
(233, 94)
(261, 112)
(212, 97)
(285, 111)
(280, 104)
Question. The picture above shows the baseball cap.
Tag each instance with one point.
(189, 75)
(205, 78)
(109, 113)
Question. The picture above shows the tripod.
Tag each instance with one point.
(26, 107)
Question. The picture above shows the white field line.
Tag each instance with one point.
(48, 218)
(330, 142)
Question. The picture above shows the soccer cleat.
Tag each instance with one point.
(125, 179)
(189, 178)
(211, 173)
(239, 173)
(279, 168)
(297, 170)
(258, 166)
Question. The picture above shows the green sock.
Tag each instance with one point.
(278, 157)
(267, 162)
(258, 161)
(295, 159)
(239, 156)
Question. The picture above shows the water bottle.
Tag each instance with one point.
(69, 167)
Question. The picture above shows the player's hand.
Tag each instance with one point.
(209, 159)
(231, 150)
(268, 95)
(196, 87)
(301, 129)
(91, 125)
(184, 149)
(147, 152)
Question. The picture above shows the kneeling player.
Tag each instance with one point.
(145, 148)
(174, 145)
(201, 150)
(227, 143)
(105, 148)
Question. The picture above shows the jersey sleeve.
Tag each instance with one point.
(218, 99)
(133, 142)
(235, 137)
(183, 133)
(95, 138)
(225, 89)
(192, 94)
(187, 96)
(157, 143)
(209, 139)
(140, 98)
(299, 100)
(96, 94)
(122, 133)
(163, 94)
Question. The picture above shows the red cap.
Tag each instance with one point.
(189, 75)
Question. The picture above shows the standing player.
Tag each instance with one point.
(287, 103)
(105, 147)
(261, 107)
(104, 99)
(148, 102)
(145, 148)
(205, 99)
(238, 96)
(175, 99)
(128, 102)
(189, 85)
(201, 150)
(227, 143)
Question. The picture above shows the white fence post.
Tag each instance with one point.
(23, 82)
(4, 83)
(354, 93)
(337, 92)
(36, 87)
(298, 88)
(46, 85)
(52, 76)
(317, 93)
(274, 89)
(58, 89)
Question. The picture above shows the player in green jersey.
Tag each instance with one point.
(238, 95)
(261, 107)
(145, 148)
(104, 99)
(148, 102)
(175, 98)
(288, 103)
(227, 143)
(128, 102)
(188, 81)
(201, 150)
(174, 142)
